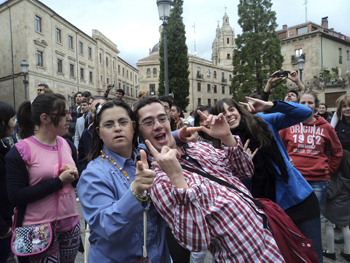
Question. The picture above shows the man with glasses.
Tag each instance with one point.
(202, 213)
(43, 88)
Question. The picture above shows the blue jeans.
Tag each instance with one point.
(320, 189)
(312, 229)
(5, 244)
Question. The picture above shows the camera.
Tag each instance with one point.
(282, 74)
(111, 85)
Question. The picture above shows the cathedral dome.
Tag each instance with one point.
(155, 48)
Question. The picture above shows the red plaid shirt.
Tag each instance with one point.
(210, 215)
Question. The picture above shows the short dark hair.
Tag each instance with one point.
(85, 101)
(166, 99)
(86, 94)
(294, 91)
(324, 104)
(76, 94)
(44, 85)
(178, 109)
(121, 91)
(6, 113)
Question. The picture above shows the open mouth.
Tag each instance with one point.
(160, 137)
(232, 121)
(118, 137)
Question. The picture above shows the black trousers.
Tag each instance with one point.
(177, 252)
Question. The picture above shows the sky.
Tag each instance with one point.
(133, 25)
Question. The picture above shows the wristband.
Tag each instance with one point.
(139, 197)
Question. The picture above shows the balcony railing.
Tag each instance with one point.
(224, 80)
(295, 59)
(199, 75)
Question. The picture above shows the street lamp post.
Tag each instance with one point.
(301, 64)
(164, 13)
(24, 66)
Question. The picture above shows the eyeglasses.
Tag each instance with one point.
(40, 90)
(64, 114)
(110, 126)
(150, 123)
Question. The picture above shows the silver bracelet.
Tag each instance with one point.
(138, 195)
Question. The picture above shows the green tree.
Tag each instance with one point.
(179, 83)
(258, 50)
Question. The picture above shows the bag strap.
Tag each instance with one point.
(145, 234)
(59, 145)
(222, 182)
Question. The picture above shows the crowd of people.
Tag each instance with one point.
(155, 186)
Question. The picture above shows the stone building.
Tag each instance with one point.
(59, 54)
(209, 80)
(323, 50)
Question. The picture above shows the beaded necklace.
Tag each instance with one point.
(125, 174)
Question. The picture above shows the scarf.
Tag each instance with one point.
(265, 173)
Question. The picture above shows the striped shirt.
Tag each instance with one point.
(211, 216)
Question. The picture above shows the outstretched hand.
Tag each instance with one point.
(144, 176)
(256, 105)
(189, 134)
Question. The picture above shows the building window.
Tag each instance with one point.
(58, 35)
(90, 76)
(136, 78)
(154, 72)
(228, 56)
(130, 75)
(223, 89)
(209, 102)
(81, 48)
(214, 74)
(71, 70)
(215, 101)
(199, 102)
(127, 74)
(119, 69)
(123, 72)
(131, 92)
(59, 65)
(298, 52)
(208, 73)
(101, 78)
(228, 41)
(198, 86)
(148, 73)
(113, 65)
(215, 90)
(302, 30)
(119, 86)
(38, 23)
(347, 54)
(229, 77)
(127, 90)
(81, 73)
(208, 88)
(107, 62)
(90, 52)
(70, 42)
(340, 56)
(39, 58)
(152, 89)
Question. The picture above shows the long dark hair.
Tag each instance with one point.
(6, 113)
(255, 129)
(344, 166)
(97, 143)
(28, 115)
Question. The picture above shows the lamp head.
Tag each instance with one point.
(301, 64)
(24, 66)
(164, 7)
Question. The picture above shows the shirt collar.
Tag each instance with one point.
(121, 160)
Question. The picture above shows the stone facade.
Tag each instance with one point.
(209, 80)
(59, 54)
(322, 48)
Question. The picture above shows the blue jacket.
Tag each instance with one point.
(115, 216)
(297, 189)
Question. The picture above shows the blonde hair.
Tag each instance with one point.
(342, 100)
(141, 93)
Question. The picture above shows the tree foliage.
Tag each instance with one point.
(177, 58)
(258, 52)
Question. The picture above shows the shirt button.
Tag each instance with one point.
(303, 244)
(187, 158)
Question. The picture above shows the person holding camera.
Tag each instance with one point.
(118, 95)
(292, 94)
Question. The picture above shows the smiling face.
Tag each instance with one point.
(322, 109)
(117, 139)
(309, 101)
(232, 116)
(345, 110)
(159, 134)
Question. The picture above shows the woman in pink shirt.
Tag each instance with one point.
(36, 177)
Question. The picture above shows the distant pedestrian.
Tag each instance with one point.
(337, 208)
(341, 120)
(322, 111)
(75, 110)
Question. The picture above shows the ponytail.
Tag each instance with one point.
(24, 120)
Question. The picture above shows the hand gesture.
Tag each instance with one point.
(69, 174)
(167, 161)
(293, 76)
(189, 133)
(218, 125)
(144, 176)
(256, 105)
(109, 87)
(248, 149)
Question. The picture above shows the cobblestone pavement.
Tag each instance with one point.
(208, 259)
